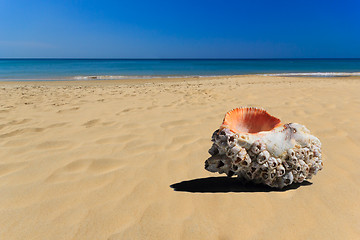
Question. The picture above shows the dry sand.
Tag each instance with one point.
(95, 160)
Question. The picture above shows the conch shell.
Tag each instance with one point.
(257, 147)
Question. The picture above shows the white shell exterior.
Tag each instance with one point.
(285, 155)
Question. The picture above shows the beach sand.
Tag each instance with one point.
(96, 159)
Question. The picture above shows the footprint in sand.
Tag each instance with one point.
(18, 122)
(55, 125)
(127, 110)
(91, 123)
(68, 110)
(4, 111)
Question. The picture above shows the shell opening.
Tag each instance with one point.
(250, 120)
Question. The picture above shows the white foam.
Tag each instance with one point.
(314, 74)
(119, 77)
(101, 77)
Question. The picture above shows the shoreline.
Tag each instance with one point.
(135, 81)
(147, 77)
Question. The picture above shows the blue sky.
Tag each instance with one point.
(180, 29)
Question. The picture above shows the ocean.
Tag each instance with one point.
(92, 69)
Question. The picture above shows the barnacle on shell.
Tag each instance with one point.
(257, 147)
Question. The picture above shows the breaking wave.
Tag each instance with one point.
(314, 74)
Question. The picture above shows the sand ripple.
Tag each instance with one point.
(96, 160)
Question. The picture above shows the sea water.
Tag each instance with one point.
(89, 69)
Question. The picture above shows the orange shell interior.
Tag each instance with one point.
(250, 120)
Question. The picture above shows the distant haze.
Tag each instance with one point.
(179, 29)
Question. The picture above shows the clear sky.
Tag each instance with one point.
(180, 29)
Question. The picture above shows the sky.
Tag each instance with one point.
(179, 29)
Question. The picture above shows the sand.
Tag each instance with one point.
(95, 160)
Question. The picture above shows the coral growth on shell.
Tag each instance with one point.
(257, 147)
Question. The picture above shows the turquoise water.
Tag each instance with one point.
(82, 69)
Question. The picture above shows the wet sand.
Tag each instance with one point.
(97, 159)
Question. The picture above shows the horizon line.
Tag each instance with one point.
(88, 58)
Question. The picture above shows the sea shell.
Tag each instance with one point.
(257, 147)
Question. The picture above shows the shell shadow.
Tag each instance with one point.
(226, 184)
